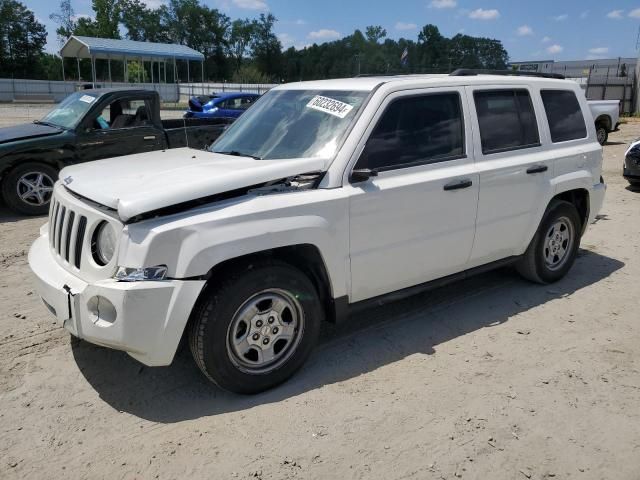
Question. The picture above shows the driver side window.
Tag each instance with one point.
(416, 130)
(123, 113)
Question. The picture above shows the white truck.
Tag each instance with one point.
(606, 117)
(325, 196)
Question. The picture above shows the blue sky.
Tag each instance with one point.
(542, 29)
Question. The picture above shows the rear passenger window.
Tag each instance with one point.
(566, 121)
(425, 129)
(507, 120)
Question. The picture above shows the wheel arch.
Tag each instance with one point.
(604, 120)
(14, 160)
(305, 256)
(573, 192)
(578, 197)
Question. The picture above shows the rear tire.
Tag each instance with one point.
(554, 246)
(256, 329)
(28, 188)
(602, 134)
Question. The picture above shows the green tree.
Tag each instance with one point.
(107, 18)
(375, 33)
(242, 32)
(433, 48)
(143, 23)
(86, 27)
(267, 49)
(22, 41)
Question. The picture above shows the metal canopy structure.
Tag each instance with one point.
(93, 48)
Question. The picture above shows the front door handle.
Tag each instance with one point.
(150, 137)
(458, 184)
(537, 169)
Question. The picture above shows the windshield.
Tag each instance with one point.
(292, 124)
(71, 110)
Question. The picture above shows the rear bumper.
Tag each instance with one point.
(145, 319)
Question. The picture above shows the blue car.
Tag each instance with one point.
(231, 104)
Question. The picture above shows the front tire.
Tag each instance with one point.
(554, 246)
(257, 328)
(28, 188)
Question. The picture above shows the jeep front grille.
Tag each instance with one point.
(66, 232)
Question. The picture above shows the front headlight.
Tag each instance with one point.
(104, 243)
(127, 274)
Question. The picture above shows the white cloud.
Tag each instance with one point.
(154, 3)
(599, 51)
(406, 26)
(482, 14)
(286, 40)
(615, 14)
(635, 13)
(584, 14)
(251, 4)
(324, 34)
(546, 39)
(555, 48)
(439, 4)
(561, 18)
(525, 30)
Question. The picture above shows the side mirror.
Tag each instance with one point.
(362, 175)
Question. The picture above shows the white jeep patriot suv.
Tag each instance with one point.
(323, 195)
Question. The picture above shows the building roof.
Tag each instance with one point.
(87, 47)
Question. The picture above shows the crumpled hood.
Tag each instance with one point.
(145, 182)
(27, 130)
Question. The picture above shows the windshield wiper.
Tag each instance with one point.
(40, 122)
(236, 153)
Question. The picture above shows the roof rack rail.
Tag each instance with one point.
(466, 72)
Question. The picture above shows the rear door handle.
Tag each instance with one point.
(150, 137)
(458, 184)
(537, 169)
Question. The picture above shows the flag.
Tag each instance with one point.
(404, 58)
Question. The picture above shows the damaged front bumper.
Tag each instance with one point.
(146, 319)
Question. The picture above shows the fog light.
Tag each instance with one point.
(103, 312)
(127, 274)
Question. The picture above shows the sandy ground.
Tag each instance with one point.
(491, 378)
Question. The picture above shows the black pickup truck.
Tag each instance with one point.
(85, 126)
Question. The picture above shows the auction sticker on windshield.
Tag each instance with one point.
(87, 98)
(330, 106)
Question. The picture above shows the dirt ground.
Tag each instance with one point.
(491, 378)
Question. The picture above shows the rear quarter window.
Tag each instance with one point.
(564, 115)
(507, 120)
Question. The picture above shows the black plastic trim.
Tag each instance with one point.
(82, 225)
(458, 184)
(342, 307)
(537, 169)
(470, 72)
